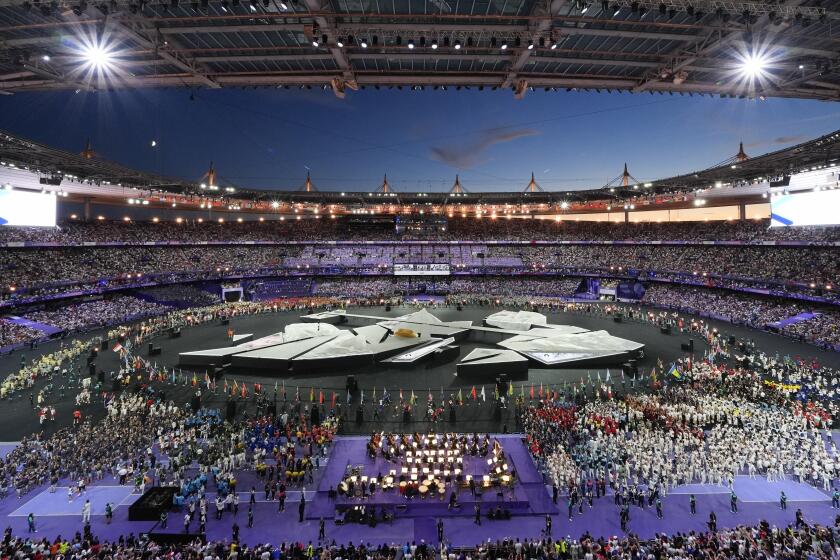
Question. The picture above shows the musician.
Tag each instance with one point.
(453, 499)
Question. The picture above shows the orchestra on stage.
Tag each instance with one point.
(427, 465)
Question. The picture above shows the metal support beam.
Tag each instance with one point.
(135, 29)
(508, 30)
(251, 28)
(325, 26)
(536, 30)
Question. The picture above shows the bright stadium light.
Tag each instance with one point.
(753, 65)
(97, 56)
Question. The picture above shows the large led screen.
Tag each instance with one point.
(23, 208)
(432, 269)
(820, 208)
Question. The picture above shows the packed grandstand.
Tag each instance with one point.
(743, 271)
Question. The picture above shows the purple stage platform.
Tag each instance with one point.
(528, 496)
(759, 500)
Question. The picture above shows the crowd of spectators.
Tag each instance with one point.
(819, 324)
(373, 287)
(42, 270)
(457, 229)
(757, 542)
(87, 315)
(500, 286)
(183, 295)
(129, 547)
(822, 329)
(12, 333)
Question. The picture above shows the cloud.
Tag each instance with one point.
(464, 156)
(793, 139)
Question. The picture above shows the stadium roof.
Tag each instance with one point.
(722, 47)
(57, 164)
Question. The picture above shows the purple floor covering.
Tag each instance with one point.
(759, 500)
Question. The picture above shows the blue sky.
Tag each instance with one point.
(269, 138)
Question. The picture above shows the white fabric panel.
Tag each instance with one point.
(345, 344)
(516, 320)
(296, 331)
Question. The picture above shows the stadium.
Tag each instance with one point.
(474, 355)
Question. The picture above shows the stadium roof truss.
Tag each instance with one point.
(59, 164)
(665, 46)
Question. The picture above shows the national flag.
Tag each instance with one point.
(510, 388)
(226, 387)
(332, 402)
(675, 371)
(244, 391)
(194, 380)
(117, 347)
(532, 391)
(257, 389)
(541, 391)
(321, 396)
(413, 398)
(460, 396)
(207, 380)
(312, 394)
(297, 393)
(473, 394)
(483, 395)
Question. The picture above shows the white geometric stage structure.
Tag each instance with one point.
(513, 339)
(492, 361)
(516, 320)
(557, 347)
